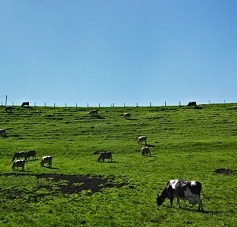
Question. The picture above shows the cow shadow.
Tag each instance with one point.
(150, 145)
(48, 167)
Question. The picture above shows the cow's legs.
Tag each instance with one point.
(199, 201)
(178, 201)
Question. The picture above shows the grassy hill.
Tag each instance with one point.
(197, 143)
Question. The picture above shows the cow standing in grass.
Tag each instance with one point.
(181, 189)
(46, 159)
(190, 104)
(145, 150)
(8, 108)
(20, 154)
(94, 112)
(127, 115)
(18, 163)
(31, 153)
(141, 139)
(3, 132)
(105, 155)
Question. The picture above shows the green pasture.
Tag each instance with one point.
(197, 143)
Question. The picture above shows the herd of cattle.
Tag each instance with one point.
(20, 158)
(176, 188)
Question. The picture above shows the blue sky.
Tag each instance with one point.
(120, 51)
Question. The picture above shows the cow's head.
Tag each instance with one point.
(159, 199)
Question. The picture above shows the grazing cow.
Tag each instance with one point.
(94, 112)
(3, 132)
(141, 139)
(25, 104)
(18, 163)
(20, 154)
(127, 115)
(105, 155)
(31, 153)
(145, 150)
(8, 108)
(192, 104)
(181, 189)
(46, 159)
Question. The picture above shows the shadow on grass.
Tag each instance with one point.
(48, 167)
(193, 209)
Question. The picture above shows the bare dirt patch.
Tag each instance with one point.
(224, 171)
(58, 184)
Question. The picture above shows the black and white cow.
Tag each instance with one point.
(181, 189)
(46, 159)
(94, 112)
(18, 163)
(25, 104)
(127, 115)
(141, 139)
(145, 150)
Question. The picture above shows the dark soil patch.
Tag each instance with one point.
(77, 183)
(224, 171)
(57, 184)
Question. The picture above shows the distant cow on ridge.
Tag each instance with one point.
(192, 104)
(25, 104)
(94, 112)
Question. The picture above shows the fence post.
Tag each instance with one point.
(45, 104)
(165, 103)
(124, 105)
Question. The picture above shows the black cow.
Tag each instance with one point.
(105, 155)
(192, 104)
(181, 189)
(3, 132)
(25, 104)
(8, 108)
(31, 153)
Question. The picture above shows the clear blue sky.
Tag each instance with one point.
(120, 51)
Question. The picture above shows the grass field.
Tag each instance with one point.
(189, 143)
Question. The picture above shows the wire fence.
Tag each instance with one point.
(149, 104)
